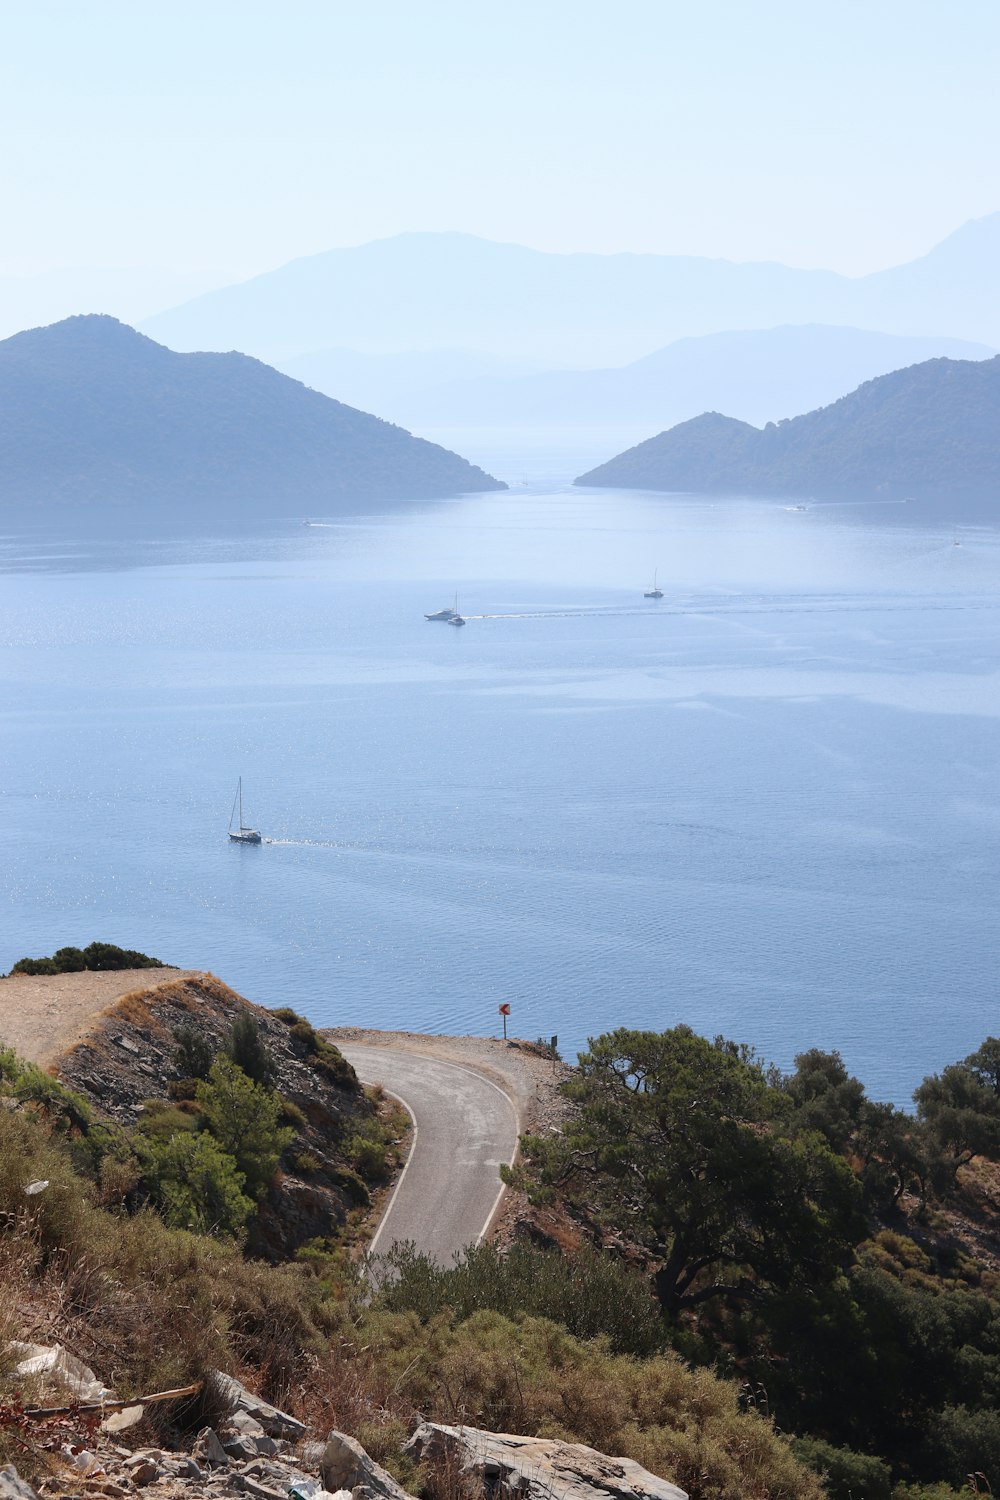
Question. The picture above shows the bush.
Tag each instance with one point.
(528, 1375)
(846, 1475)
(243, 1117)
(193, 1054)
(591, 1294)
(248, 1050)
(98, 956)
(370, 1147)
(197, 1185)
(321, 1054)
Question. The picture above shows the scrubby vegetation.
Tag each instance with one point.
(94, 956)
(782, 1289)
(151, 1303)
(839, 1256)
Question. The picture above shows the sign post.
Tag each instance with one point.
(505, 1012)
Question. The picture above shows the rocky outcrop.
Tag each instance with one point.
(537, 1468)
(131, 1055)
(346, 1466)
(244, 1405)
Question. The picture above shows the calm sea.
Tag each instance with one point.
(766, 805)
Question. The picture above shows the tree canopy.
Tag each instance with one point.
(684, 1145)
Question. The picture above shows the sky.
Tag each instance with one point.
(233, 137)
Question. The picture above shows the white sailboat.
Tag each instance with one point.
(655, 592)
(241, 834)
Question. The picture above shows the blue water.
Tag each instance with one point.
(767, 806)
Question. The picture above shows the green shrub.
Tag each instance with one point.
(323, 1055)
(370, 1147)
(291, 1114)
(243, 1117)
(528, 1375)
(248, 1049)
(193, 1053)
(160, 1120)
(351, 1185)
(286, 1014)
(303, 1031)
(98, 956)
(846, 1475)
(591, 1294)
(197, 1185)
(305, 1163)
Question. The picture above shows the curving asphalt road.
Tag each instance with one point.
(465, 1126)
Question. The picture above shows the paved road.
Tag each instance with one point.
(465, 1127)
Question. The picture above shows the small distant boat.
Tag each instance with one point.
(655, 592)
(241, 834)
(798, 507)
(456, 618)
(444, 614)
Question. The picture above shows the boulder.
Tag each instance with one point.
(13, 1487)
(142, 1470)
(277, 1424)
(209, 1450)
(538, 1468)
(346, 1466)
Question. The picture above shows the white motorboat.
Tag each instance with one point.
(444, 614)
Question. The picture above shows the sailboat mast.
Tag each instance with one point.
(239, 785)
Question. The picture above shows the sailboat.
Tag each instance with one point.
(655, 592)
(444, 614)
(455, 618)
(241, 834)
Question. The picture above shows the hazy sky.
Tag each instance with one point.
(236, 135)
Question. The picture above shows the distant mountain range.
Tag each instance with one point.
(454, 291)
(931, 432)
(93, 414)
(758, 375)
(431, 382)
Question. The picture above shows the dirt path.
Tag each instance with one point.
(43, 1015)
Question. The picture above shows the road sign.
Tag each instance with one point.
(505, 1012)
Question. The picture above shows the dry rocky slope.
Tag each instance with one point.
(123, 1053)
(257, 1450)
(44, 1015)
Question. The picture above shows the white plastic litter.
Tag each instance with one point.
(62, 1368)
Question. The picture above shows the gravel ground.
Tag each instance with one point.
(43, 1015)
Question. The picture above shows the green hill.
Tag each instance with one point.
(931, 432)
(95, 416)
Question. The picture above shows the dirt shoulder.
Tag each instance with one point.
(530, 1080)
(44, 1015)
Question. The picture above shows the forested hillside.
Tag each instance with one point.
(95, 416)
(931, 432)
